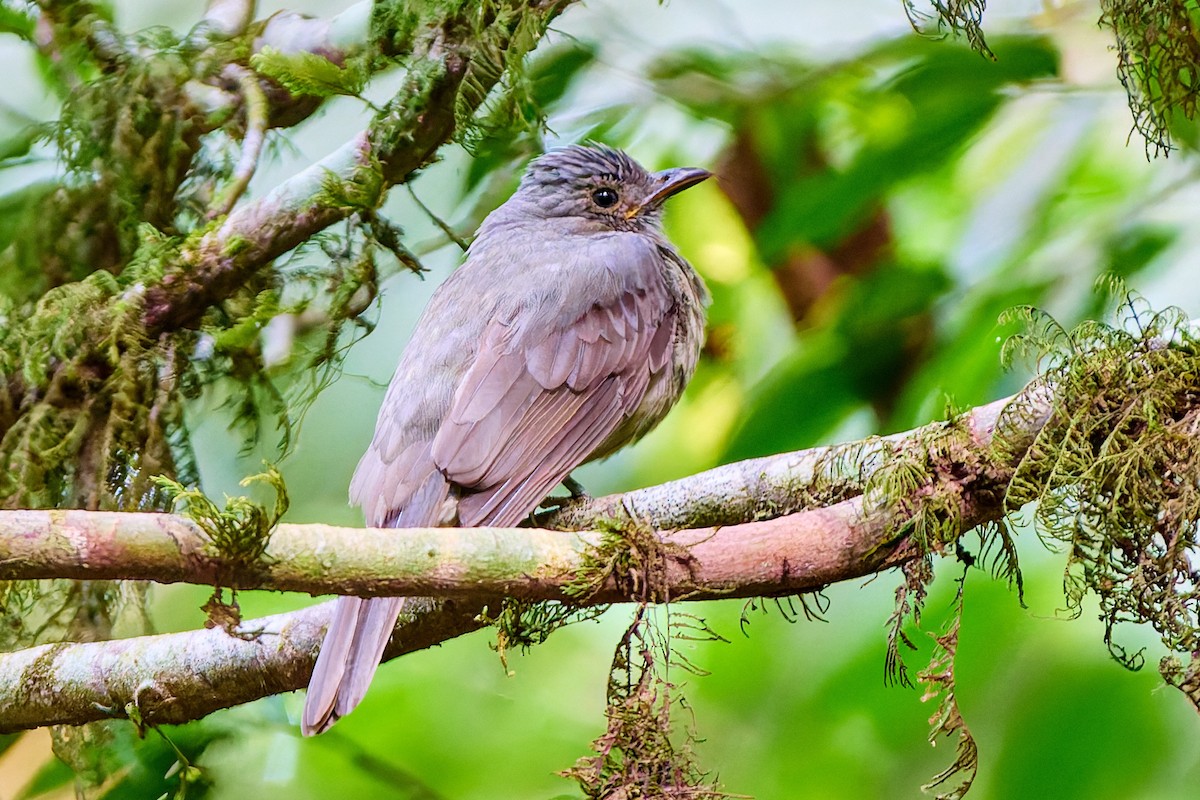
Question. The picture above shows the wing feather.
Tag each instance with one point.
(509, 502)
(487, 387)
(659, 349)
(580, 381)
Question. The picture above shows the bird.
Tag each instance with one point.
(569, 331)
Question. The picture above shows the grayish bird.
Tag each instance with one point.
(569, 331)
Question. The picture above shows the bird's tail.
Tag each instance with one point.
(349, 656)
(361, 627)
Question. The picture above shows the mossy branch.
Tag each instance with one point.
(750, 547)
(447, 52)
(177, 677)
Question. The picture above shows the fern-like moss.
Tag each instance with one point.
(1115, 473)
(312, 74)
(959, 17)
(1158, 62)
(639, 755)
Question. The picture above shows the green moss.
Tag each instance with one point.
(1157, 58)
(235, 245)
(498, 101)
(958, 17)
(939, 681)
(363, 191)
(40, 672)
(155, 255)
(639, 755)
(303, 73)
(239, 533)
(393, 24)
(923, 483)
(1115, 472)
(521, 624)
(93, 413)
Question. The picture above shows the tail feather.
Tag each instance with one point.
(330, 666)
(350, 654)
(376, 619)
(361, 627)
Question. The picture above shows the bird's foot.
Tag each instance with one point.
(576, 489)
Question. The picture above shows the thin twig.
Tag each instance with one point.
(254, 101)
(445, 227)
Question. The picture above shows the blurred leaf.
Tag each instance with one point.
(914, 121)
(18, 143)
(15, 22)
(556, 68)
(964, 363)
(1070, 745)
(1126, 253)
(149, 763)
(860, 358)
(53, 776)
(804, 396)
(1133, 249)
(885, 319)
(722, 84)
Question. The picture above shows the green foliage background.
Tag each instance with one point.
(998, 184)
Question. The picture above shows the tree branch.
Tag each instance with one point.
(744, 560)
(257, 232)
(404, 137)
(336, 38)
(773, 486)
(257, 112)
(177, 677)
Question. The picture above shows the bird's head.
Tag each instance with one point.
(600, 187)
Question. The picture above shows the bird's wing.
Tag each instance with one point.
(537, 402)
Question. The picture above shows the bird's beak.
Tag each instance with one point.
(670, 182)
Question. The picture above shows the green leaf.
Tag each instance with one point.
(16, 22)
(803, 398)
(310, 74)
(52, 776)
(554, 70)
(914, 122)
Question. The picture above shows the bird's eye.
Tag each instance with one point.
(605, 197)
